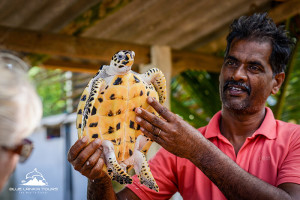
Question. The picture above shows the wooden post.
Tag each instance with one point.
(161, 58)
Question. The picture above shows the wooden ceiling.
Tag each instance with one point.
(79, 35)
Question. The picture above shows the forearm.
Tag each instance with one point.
(232, 180)
(100, 189)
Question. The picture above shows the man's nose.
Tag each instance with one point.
(240, 73)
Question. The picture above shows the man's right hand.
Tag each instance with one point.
(87, 158)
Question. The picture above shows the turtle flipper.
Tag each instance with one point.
(83, 99)
(157, 78)
(141, 166)
(114, 170)
(96, 81)
(142, 169)
(94, 87)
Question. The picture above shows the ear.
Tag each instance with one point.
(277, 82)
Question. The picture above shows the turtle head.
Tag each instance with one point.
(122, 61)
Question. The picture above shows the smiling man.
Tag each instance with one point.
(243, 152)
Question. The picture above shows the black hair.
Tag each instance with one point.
(259, 27)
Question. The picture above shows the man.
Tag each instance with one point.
(243, 153)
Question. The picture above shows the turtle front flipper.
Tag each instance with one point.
(94, 87)
(141, 166)
(157, 78)
(114, 170)
(83, 99)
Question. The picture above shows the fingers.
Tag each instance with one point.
(143, 115)
(91, 162)
(156, 138)
(78, 160)
(161, 110)
(154, 130)
(77, 148)
(97, 171)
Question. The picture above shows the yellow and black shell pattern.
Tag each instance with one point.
(112, 116)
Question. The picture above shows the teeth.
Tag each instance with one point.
(237, 89)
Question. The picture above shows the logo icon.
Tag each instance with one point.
(34, 178)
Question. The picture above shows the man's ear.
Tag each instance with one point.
(278, 80)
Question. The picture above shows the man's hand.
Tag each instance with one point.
(169, 131)
(87, 158)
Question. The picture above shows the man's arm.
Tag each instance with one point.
(87, 159)
(102, 189)
(232, 180)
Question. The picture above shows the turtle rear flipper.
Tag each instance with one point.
(142, 169)
(157, 78)
(114, 170)
(141, 166)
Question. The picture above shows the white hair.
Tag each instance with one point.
(20, 106)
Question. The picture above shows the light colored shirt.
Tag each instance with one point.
(272, 154)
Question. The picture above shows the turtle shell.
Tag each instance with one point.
(113, 114)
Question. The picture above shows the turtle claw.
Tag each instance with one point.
(149, 182)
(119, 175)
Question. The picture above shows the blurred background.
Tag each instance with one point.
(65, 42)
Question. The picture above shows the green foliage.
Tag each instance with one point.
(50, 87)
(288, 106)
(195, 96)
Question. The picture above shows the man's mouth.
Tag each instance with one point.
(236, 88)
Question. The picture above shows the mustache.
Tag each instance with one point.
(232, 82)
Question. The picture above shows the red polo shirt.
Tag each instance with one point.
(272, 154)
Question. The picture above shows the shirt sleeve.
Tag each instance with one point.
(163, 168)
(289, 171)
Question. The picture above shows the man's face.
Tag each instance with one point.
(246, 78)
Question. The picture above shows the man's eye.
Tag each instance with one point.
(230, 62)
(254, 68)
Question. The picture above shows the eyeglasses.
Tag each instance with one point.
(24, 149)
(12, 62)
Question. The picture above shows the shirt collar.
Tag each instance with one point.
(267, 128)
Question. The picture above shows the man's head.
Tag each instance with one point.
(261, 28)
(256, 56)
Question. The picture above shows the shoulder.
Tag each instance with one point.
(288, 133)
(288, 128)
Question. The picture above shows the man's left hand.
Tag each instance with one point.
(170, 131)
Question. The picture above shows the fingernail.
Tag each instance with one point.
(87, 163)
(84, 139)
(138, 110)
(138, 119)
(150, 100)
(142, 129)
(97, 141)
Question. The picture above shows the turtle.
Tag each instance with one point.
(106, 110)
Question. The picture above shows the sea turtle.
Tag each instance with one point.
(107, 111)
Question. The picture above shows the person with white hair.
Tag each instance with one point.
(20, 113)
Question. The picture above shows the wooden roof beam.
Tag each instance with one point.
(65, 45)
(94, 49)
(285, 10)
